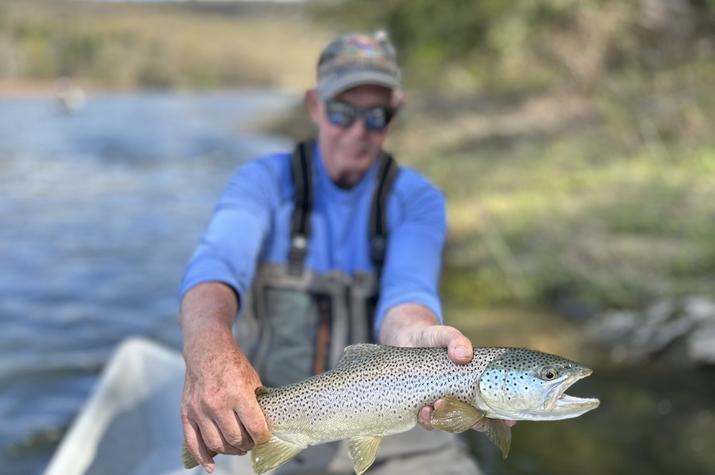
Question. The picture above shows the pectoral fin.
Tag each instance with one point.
(273, 453)
(363, 451)
(453, 415)
(499, 433)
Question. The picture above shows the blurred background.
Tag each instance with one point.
(574, 140)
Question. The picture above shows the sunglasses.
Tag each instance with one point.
(343, 115)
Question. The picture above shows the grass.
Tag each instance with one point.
(568, 203)
(157, 46)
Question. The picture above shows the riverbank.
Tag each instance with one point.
(111, 46)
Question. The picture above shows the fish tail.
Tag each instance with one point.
(188, 459)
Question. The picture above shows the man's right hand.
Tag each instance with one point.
(219, 410)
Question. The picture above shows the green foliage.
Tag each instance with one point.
(528, 45)
(620, 232)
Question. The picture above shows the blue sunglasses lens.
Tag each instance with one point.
(340, 114)
(343, 115)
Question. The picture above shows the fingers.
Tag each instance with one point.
(213, 438)
(232, 432)
(424, 417)
(253, 422)
(195, 445)
(459, 348)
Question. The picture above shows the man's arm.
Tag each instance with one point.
(219, 410)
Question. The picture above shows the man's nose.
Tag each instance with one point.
(358, 127)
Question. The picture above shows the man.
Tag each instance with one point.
(328, 246)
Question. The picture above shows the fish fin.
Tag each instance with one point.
(454, 415)
(188, 459)
(499, 433)
(271, 454)
(354, 353)
(363, 450)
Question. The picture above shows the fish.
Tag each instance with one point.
(377, 390)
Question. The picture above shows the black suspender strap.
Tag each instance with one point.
(378, 213)
(302, 204)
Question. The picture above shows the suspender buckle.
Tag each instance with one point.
(297, 253)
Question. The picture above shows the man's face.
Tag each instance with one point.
(349, 151)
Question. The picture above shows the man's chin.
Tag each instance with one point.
(348, 179)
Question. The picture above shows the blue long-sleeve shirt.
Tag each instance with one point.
(251, 224)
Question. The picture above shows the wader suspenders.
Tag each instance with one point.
(378, 213)
(303, 203)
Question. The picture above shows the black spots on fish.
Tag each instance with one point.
(526, 363)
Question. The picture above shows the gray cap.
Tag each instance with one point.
(357, 59)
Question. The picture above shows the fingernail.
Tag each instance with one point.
(210, 467)
(461, 352)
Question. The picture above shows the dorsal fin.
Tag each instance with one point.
(356, 353)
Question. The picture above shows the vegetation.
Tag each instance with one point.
(573, 140)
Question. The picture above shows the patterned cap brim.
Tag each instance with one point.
(329, 87)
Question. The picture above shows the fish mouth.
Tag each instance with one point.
(564, 406)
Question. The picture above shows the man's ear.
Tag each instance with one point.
(398, 98)
(312, 104)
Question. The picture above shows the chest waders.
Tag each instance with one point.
(297, 322)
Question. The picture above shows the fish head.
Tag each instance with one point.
(523, 384)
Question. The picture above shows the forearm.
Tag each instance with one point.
(207, 314)
(219, 410)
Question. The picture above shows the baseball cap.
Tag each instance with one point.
(357, 59)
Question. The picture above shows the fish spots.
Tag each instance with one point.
(375, 389)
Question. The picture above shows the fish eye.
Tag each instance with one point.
(548, 373)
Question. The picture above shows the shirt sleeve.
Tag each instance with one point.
(414, 253)
(230, 246)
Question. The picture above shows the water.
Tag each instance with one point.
(652, 419)
(99, 212)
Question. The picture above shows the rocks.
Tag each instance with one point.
(682, 330)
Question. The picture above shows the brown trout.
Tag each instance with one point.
(377, 390)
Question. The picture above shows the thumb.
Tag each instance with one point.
(459, 348)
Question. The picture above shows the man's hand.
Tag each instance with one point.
(416, 326)
(219, 410)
